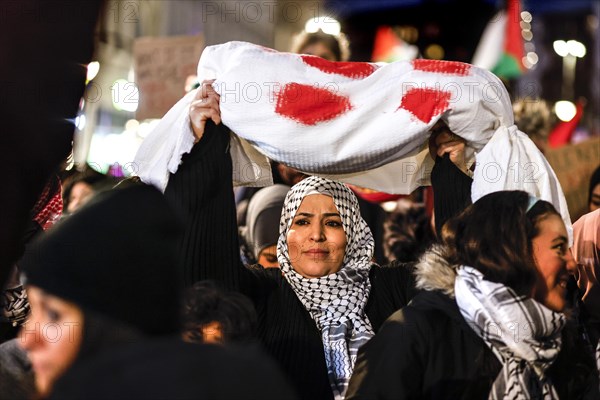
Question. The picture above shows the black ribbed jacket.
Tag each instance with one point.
(202, 190)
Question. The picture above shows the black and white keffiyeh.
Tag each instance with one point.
(336, 302)
(523, 334)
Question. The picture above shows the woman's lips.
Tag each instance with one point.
(317, 254)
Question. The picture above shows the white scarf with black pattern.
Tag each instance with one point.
(336, 302)
(524, 335)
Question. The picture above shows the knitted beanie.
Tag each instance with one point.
(116, 256)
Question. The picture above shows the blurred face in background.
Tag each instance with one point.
(595, 200)
(319, 49)
(81, 193)
(268, 257)
(51, 337)
(210, 333)
(289, 175)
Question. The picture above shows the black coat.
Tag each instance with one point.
(168, 368)
(428, 351)
(424, 351)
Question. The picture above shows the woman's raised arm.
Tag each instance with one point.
(202, 189)
(450, 177)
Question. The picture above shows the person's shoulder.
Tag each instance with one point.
(267, 276)
(268, 273)
(12, 356)
(138, 371)
(426, 311)
(393, 267)
(412, 331)
(388, 275)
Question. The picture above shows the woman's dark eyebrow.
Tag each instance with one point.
(560, 239)
(305, 214)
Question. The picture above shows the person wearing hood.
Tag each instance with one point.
(490, 321)
(261, 231)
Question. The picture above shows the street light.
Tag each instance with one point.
(565, 110)
(92, 70)
(569, 51)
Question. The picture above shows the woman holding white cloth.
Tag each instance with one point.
(330, 298)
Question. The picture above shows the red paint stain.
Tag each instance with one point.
(444, 67)
(355, 70)
(310, 105)
(425, 103)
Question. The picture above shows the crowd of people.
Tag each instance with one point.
(301, 289)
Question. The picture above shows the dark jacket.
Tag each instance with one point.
(16, 374)
(428, 351)
(168, 368)
(202, 190)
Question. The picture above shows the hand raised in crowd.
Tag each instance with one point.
(204, 106)
(443, 140)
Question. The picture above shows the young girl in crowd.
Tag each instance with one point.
(489, 322)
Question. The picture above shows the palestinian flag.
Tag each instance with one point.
(501, 49)
(388, 47)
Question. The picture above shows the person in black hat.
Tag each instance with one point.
(101, 284)
(101, 278)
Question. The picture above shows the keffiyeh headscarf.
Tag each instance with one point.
(524, 335)
(48, 209)
(336, 302)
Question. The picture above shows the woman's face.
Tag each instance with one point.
(51, 337)
(211, 333)
(319, 49)
(80, 194)
(553, 259)
(268, 257)
(316, 239)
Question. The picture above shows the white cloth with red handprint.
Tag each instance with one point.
(359, 123)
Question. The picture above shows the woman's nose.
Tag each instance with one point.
(317, 233)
